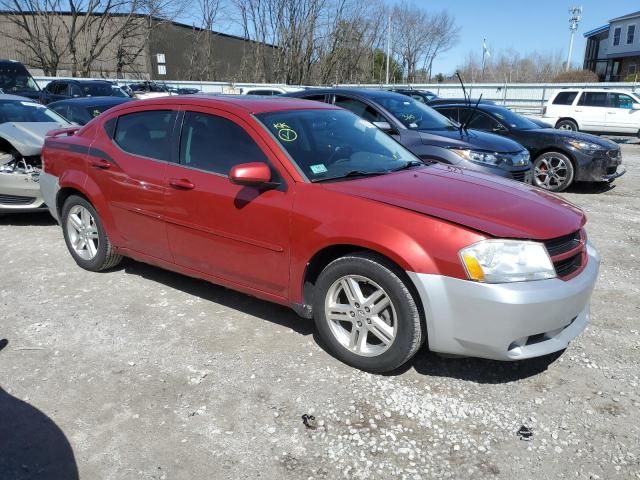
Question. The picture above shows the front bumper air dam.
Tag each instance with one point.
(507, 321)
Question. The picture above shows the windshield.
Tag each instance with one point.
(16, 80)
(24, 111)
(514, 120)
(336, 144)
(413, 114)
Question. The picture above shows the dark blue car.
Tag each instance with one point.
(428, 134)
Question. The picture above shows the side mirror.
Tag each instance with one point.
(251, 174)
(635, 106)
(384, 126)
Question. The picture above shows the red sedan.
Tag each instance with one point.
(310, 206)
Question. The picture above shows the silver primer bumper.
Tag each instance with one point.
(508, 321)
(49, 187)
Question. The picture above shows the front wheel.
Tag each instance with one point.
(553, 171)
(567, 125)
(85, 236)
(366, 315)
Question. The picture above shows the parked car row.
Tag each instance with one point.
(389, 224)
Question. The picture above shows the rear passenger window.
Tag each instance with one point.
(594, 99)
(565, 98)
(451, 113)
(215, 144)
(359, 108)
(147, 134)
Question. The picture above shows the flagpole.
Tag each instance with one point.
(484, 52)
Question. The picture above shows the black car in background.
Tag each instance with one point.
(82, 110)
(429, 135)
(424, 96)
(560, 157)
(63, 89)
(15, 79)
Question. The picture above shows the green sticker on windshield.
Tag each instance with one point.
(319, 168)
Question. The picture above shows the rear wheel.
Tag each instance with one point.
(553, 171)
(366, 315)
(85, 236)
(567, 125)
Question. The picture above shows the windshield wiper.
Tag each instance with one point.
(407, 165)
(352, 174)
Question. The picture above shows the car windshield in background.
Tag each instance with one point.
(514, 120)
(25, 111)
(13, 81)
(335, 144)
(101, 90)
(414, 114)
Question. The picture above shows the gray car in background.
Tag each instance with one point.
(23, 127)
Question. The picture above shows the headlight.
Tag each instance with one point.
(478, 157)
(582, 145)
(521, 159)
(503, 261)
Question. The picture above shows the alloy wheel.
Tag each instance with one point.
(551, 172)
(83, 232)
(361, 315)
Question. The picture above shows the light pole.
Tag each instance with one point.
(575, 15)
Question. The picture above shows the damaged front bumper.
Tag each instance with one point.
(20, 188)
(603, 166)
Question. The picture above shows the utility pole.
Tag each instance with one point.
(575, 15)
(388, 47)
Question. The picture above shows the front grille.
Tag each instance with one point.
(15, 200)
(568, 266)
(560, 247)
(519, 176)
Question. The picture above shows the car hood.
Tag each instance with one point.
(564, 135)
(486, 203)
(27, 137)
(471, 139)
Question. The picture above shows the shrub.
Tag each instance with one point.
(571, 76)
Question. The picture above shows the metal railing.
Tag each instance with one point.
(527, 98)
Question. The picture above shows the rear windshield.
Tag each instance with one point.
(565, 98)
(413, 114)
(16, 79)
(101, 90)
(24, 111)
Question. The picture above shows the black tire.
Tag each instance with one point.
(106, 256)
(554, 183)
(410, 332)
(567, 124)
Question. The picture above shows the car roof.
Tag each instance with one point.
(363, 92)
(91, 101)
(6, 96)
(75, 80)
(246, 103)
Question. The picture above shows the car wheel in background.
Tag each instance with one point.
(553, 171)
(85, 236)
(365, 313)
(567, 125)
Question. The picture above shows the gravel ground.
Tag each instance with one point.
(140, 373)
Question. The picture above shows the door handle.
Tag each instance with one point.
(578, 110)
(101, 164)
(181, 183)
